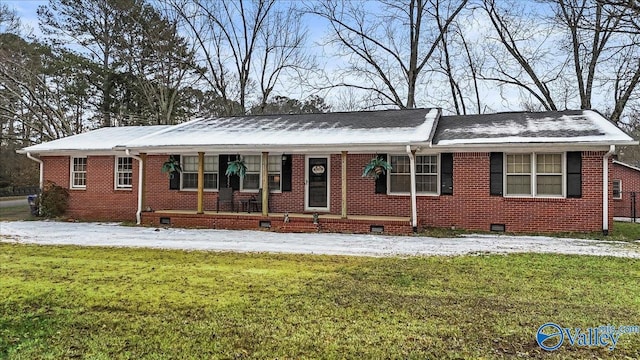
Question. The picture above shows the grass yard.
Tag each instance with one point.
(101, 303)
(16, 213)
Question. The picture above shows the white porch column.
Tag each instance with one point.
(344, 184)
(265, 183)
(200, 182)
(414, 205)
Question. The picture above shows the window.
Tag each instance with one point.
(426, 174)
(275, 172)
(534, 174)
(124, 172)
(189, 166)
(79, 173)
(251, 180)
(617, 189)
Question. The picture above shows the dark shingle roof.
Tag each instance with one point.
(548, 126)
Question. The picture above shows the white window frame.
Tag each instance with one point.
(72, 172)
(275, 159)
(250, 172)
(117, 171)
(215, 172)
(613, 195)
(534, 175)
(420, 193)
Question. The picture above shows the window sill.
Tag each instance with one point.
(78, 188)
(534, 199)
(123, 189)
(417, 194)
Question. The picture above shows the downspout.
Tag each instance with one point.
(605, 190)
(140, 172)
(41, 169)
(414, 206)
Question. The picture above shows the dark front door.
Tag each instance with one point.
(318, 171)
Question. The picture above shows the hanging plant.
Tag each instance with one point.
(171, 166)
(376, 167)
(236, 167)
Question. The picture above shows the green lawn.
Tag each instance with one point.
(68, 302)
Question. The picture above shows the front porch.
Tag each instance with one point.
(297, 222)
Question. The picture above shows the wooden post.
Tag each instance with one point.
(143, 186)
(344, 184)
(200, 182)
(265, 183)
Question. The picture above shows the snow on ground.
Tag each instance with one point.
(111, 234)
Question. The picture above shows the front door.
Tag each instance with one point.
(317, 183)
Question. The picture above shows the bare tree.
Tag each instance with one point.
(387, 43)
(584, 49)
(243, 45)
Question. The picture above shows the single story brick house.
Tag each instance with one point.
(626, 190)
(516, 172)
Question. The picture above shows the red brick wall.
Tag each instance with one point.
(470, 207)
(100, 200)
(630, 183)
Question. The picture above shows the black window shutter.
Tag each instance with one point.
(287, 172)
(495, 170)
(574, 174)
(446, 174)
(234, 180)
(174, 178)
(381, 181)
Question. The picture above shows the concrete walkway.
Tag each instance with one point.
(110, 234)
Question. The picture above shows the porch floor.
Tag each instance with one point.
(298, 222)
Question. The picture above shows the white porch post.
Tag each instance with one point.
(344, 184)
(414, 205)
(200, 182)
(265, 183)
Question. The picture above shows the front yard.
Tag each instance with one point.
(104, 303)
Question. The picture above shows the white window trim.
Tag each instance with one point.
(418, 193)
(242, 189)
(534, 175)
(71, 172)
(117, 186)
(619, 197)
(182, 188)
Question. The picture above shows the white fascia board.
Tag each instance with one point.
(77, 152)
(289, 149)
(578, 146)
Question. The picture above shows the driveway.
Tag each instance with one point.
(13, 202)
(111, 234)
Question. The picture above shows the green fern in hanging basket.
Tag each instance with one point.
(171, 166)
(236, 167)
(376, 167)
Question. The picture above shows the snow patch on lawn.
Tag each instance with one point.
(112, 234)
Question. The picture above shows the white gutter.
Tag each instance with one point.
(140, 172)
(414, 206)
(41, 169)
(605, 190)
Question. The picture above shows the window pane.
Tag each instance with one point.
(190, 163)
(210, 181)
(549, 184)
(426, 183)
(253, 163)
(210, 164)
(79, 164)
(617, 189)
(519, 164)
(189, 180)
(274, 182)
(251, 182)
(518, 185)
(549, 163)
(400, 164)
(427, 164)
(400, 183)
(79, 179)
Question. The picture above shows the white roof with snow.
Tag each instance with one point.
(104, 139)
